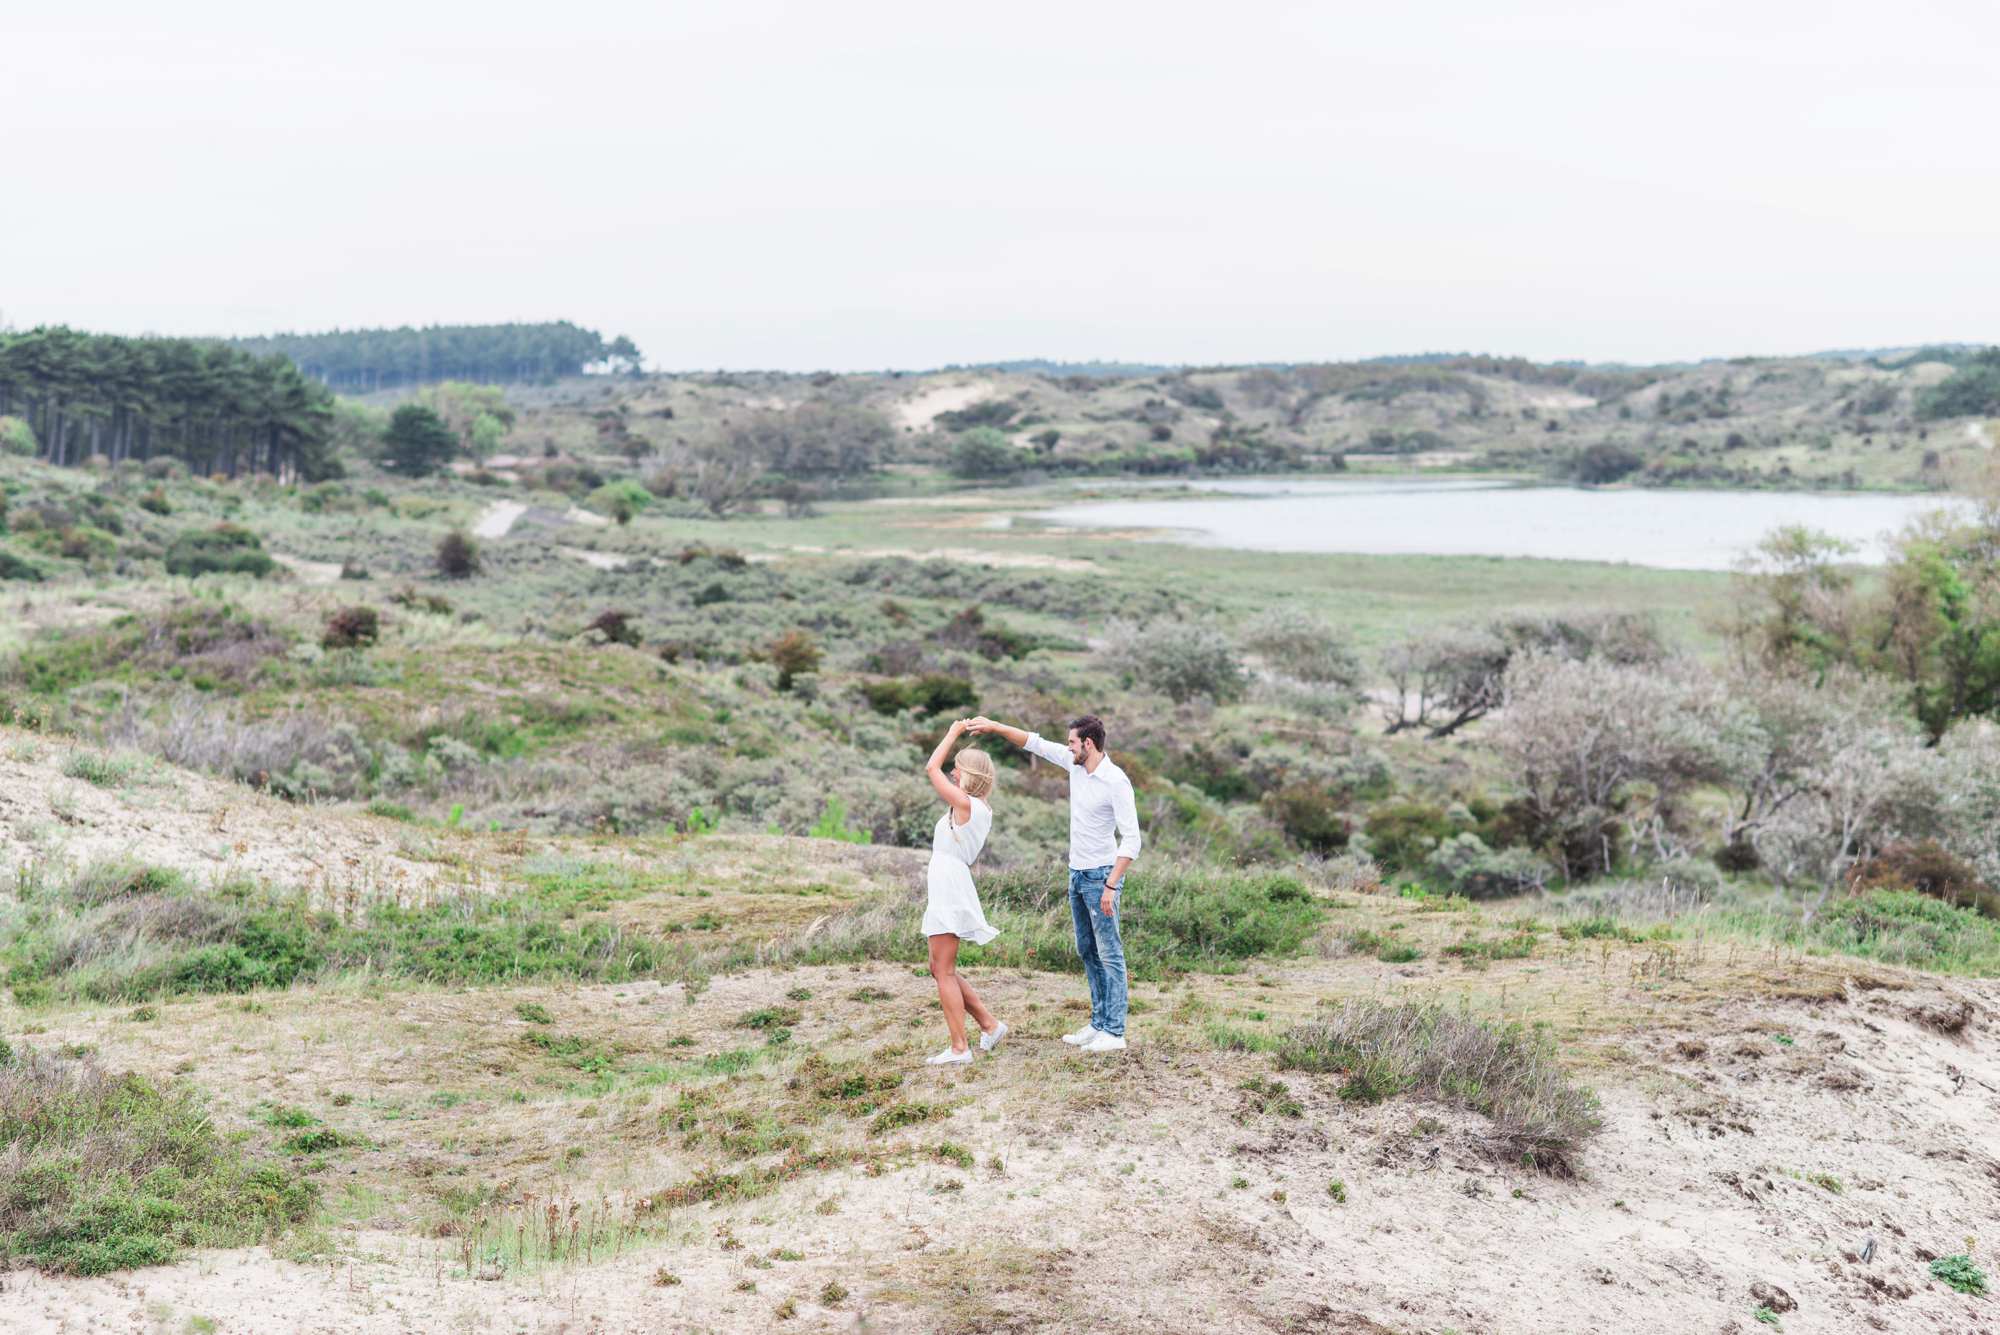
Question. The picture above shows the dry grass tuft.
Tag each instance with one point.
(1509, 1074)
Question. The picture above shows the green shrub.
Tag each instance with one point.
(17, 437)
(621, 500)
(984, 452)
(19, 568)
(457, 555)
(112, 1171)
(1180, 659)
(1961, 1273)
(1311, 816)
(933, 693)
(832, 824)
(224, 549)
(1402, 835)
(1464, 865)
(351, 628)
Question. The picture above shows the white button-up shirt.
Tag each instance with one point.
(1103, 814)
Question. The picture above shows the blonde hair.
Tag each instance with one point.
(976, 773)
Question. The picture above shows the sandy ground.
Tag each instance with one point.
(204, 827)
(922, 408)
(600, 560)
(309, 572)
(498, 519)
(1753, 1147)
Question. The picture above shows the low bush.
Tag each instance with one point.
(457, 555)
(224, 549)
(931, 693)
(1508, 1074)
(106, 1172)
(351, 628)
(1179, 659)
(1464, 865)
(1403, 835)
(1927, 869)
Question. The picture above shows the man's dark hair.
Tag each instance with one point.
(1089, 728)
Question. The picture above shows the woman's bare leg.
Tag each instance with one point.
(974, 1006)
(944, 968)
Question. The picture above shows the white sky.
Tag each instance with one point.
(860, 184)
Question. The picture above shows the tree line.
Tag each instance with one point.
(216, 408)
(361, 360)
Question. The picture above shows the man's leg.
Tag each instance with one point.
(1080, 889)
(1110, 964)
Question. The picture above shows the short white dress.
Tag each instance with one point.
(954, 902)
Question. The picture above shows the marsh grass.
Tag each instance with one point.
(1507, 1073)
(105, 1172)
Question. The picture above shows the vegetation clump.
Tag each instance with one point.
(1509, 1074)
(225, 549)
(109, 1171)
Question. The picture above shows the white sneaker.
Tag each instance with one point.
(1081, 1036)
(988, 1042)
(1106, 1043)
(950, 1058)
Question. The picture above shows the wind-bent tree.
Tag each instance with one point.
(215, 408)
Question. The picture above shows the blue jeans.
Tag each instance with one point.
(1097, 944)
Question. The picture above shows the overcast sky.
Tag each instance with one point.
(861, 185)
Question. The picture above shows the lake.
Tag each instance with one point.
(1675, 530)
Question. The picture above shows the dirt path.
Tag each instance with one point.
(309, 572)
(498, 519)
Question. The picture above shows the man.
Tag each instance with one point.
(1103, 841)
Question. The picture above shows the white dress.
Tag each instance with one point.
(954, 903)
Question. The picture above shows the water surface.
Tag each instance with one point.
(1676, 530)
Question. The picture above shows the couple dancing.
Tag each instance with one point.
(1103, 841)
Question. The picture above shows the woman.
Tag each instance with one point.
(953, 913)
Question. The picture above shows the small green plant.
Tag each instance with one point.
(534, 1012)
(800, 994)
(1239, 1182)
(832, 824)
(832, 1292)
(1767, 1316)
(700, 822)
(664, 1278)
(1961, 1273)
(457, 814)
(1338, 1190)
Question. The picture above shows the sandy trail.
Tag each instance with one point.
(599, 560)
(309, 572)
(498, 519)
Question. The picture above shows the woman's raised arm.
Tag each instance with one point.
(953, 795)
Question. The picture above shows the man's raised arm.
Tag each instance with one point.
(1032, 743)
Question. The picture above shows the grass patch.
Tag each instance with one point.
(1506, 1073)
(119, 931)
(107, 1172)
(1175, 918)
